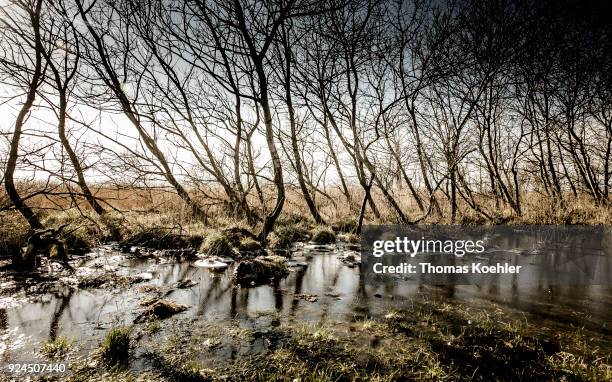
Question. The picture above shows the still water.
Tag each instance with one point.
(321, 289)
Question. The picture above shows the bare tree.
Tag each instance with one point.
(30, 49)
(103, 58)
(62, 58)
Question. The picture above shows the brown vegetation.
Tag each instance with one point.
(161, 225)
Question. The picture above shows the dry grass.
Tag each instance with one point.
(537, 208)
(138, 214)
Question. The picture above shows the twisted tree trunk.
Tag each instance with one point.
(11, 164)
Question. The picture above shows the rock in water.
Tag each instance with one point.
(260, 270)
(249, 246)
(140, 277)
(160, 309)
(350, 258)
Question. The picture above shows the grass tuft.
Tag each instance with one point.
(57, 348)
(153, 327)
(286, 235)
(218, 244)
(116, 345)
(323, 236)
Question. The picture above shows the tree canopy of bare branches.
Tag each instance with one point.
(233, 103)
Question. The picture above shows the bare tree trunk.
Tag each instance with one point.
(241, 194)
(453, 199)
(62, 87)
(270, 219)
(334, 156)
(423, 163)
(366, 197)
(404, 175)
(251, 163)
(294, 139)
(11, 163)
(74, 160)
(257, 59)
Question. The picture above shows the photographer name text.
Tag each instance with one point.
(429, 268)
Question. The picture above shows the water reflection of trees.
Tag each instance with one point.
(325, 276)
(3, 320)
(63, 301)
